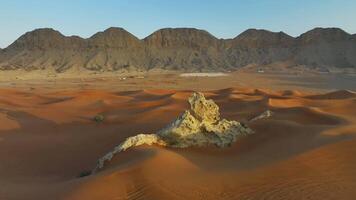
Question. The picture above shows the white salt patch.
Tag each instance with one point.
(203, 74)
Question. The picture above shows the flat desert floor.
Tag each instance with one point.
(306, 150)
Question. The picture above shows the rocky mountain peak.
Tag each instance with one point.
(44, 38)
(260, 37)
(324, 34)
(178, 37)
(114, 38)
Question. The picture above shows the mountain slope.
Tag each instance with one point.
(259, 47)
(330, 47)
(184, 49)
(112, 49)
(41, 49)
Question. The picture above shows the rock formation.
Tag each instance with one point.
(264, 115)
(199, 126)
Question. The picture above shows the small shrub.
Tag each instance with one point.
(243, 125)
(99, 118)
(84, 173)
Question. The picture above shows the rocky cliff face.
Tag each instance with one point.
(184, 49)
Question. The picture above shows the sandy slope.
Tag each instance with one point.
(47, 138)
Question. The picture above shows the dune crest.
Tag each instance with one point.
(199, 126)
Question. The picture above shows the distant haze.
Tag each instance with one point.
(224, 19)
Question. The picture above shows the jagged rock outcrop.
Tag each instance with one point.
(199, 126)
(182, 49)
(264, 115)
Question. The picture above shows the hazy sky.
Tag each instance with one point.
(222, 18)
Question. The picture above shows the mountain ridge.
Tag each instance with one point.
(184, 49)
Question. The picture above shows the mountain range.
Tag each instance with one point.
(183, 49)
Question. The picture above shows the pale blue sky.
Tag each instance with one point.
(222, 18)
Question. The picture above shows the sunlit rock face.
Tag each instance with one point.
(199, 126)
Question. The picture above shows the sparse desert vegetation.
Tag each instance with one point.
(99, 118)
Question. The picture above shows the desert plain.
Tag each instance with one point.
(49, 140)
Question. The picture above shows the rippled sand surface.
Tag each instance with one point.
(48, 138)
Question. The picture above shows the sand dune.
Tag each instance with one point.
(340, 94)
(303, 151)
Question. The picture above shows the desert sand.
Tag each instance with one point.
(305, 150)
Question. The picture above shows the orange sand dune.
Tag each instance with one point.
(304, 151)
